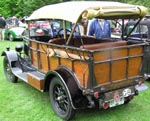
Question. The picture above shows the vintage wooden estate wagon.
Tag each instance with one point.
(79, 71)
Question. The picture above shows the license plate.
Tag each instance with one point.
(114, 103)
(117, 97)
(117, 100)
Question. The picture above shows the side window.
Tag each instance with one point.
(144, 31)
(56, 25)
(58, 29)
(129, 28)
(40, 28)
(143, 28)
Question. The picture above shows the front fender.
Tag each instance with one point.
(12, 59)
(11, 55)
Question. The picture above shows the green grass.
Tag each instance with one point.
(21, 102)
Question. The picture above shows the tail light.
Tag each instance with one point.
(96, 95)
(140, 83)
(105, 105)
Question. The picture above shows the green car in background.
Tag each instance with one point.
(14, 33)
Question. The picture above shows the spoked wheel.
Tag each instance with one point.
(8, 72)
(60, 101)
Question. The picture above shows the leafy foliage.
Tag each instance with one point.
(25, 7)
(22, 7)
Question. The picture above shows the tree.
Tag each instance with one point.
(22, 7)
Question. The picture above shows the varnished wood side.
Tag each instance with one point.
(135, 63)
(134, 66)
(117, 66)
(118, 70)
(82, 72)
(33, 52)
(136, 50)
(101, 56)
(102, 73)
(109, 64)
(38, 84)
(119, 53)
(43, 59)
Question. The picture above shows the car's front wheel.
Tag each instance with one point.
(59, 97)
(10, 37)
(8, 72)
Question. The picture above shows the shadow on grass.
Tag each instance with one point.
(42, 100)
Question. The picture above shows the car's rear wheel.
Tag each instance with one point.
(10, 37)
(8, 72)
(60, 101)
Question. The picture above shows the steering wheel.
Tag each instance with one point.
(60, 33)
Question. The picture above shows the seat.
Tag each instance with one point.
(60, 41)
(103, 45)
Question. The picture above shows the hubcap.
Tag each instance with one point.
(61, 98)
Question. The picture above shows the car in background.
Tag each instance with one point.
(14, 28)
(141, 32)
(14, 33)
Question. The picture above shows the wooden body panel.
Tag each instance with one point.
(107, 65)
(34, 54)
(118, 64)
(43, 60)
(35, 81)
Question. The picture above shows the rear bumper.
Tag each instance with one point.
(117, 97)
(114, 97)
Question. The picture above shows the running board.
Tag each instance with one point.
(34, 78)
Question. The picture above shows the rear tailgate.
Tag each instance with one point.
(117, 67)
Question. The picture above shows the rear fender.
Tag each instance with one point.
(78, 100)
(52, 74)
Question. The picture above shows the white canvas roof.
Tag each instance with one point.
(75, 10)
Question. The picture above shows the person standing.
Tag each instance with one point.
(15, 22)
(2, 27)
(83, 26)
(99, 28)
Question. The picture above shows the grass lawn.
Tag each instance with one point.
(21, 102)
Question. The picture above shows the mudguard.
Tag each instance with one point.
(12, 59)
(56, 74)
(78, 100)
(11, 55)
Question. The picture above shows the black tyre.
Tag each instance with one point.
(8, 72)
(60, 101)
(10, 37)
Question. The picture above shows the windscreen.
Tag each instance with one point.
(40, 28)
